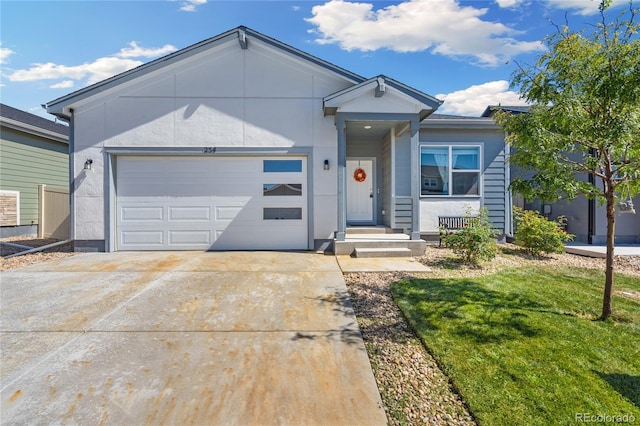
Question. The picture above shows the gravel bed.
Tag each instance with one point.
(64, 250)
(413, 388)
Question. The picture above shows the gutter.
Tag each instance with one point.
(469, 123)
(37, 131)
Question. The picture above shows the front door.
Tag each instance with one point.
(360, 191)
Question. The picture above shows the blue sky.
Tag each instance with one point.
(463, 52)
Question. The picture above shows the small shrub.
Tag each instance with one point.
(474, 242)
(537, 234)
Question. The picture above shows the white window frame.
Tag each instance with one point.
(450, 147)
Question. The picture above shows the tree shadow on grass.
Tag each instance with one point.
(625, 384)
(452, 263)
(522, 253)
(471, 310)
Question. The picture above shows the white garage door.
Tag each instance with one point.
(211, 203)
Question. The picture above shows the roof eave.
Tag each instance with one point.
(465, 123)
(34, 130)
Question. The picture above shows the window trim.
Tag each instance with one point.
(450, 147)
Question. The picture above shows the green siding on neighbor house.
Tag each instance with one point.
(27, 161)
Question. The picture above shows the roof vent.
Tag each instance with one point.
(242, 38)
(382, 87)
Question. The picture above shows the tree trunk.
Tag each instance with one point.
(607, 310)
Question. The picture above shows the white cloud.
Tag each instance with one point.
(508, 3)
(473, 100)
(443, 26)
(135, 51)
(66, 84)
(191, 5)
(583, 7)
(98, 70)
(295, 8)
(5, 52)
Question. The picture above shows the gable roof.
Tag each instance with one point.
(332, 101)
(31, 123)
(242, 34)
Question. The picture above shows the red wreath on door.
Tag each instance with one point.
(360, 175)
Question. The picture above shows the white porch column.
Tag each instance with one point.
(342, 179)
(415, 179)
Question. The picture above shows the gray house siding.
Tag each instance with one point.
(27, 161)
(627, 226)
(577, 213)
(494, 189)
(403, 162)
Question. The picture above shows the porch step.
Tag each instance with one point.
(357, 230)
(364, 252)
(349, 246)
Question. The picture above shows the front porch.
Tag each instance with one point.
(378, 177)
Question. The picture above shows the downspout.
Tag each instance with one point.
(72, 174)
(342, 179)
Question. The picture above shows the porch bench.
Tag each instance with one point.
(447, 224)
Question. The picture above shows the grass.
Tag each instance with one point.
(524, 346)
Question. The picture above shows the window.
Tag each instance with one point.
(282, 213)
(450, 170)
(282, 166)
(273, 189)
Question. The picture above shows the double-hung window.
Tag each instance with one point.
(452, 170)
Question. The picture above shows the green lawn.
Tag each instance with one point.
(524, 346)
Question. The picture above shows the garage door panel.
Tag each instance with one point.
(189, 213)
(227, 213)
(199, 203)
(135, 239)
(142, 213)
(188, 238)
(255, 238)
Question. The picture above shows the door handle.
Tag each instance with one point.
(370, 193)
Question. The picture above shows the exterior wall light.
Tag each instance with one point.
(326, 164)
(87, 164)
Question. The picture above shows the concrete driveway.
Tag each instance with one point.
(183, 338)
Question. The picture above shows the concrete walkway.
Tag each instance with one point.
(380, 264)
(600, 251)
(234, 338)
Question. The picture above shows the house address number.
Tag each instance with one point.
(210, 150)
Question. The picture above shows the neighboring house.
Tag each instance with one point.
(33, 152)
(585, 218)
(244, 142)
